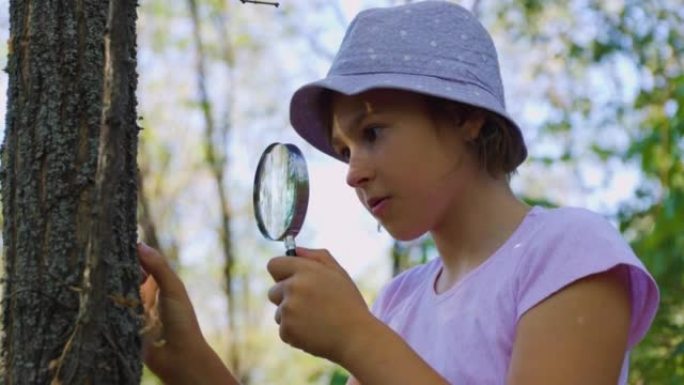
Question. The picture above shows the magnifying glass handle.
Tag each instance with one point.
(290, 246)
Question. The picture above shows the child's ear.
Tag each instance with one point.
(473, 125)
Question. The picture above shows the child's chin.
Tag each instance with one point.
(404, 235)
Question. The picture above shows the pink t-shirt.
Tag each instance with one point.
(467, 333)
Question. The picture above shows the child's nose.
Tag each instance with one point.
(359, 172)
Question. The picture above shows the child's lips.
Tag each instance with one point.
(377, 205)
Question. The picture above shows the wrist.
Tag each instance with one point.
(364, 338)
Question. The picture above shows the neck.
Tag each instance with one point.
(475, 226)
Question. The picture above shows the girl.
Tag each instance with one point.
(414, 105)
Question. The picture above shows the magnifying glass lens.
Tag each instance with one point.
(281, 193)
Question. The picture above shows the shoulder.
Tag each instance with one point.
(574, 221)
(570, 244)
(403, 286)
(573, 235)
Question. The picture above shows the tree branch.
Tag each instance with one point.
(276, 4)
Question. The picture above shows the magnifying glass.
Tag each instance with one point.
(281, 193)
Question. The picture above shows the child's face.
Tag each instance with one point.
(408, 166)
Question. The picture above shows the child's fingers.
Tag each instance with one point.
(156, 265)
(143, 275)
(319, 255)
(152, 329)
(148, 292)
(281, 268)
(276, 293)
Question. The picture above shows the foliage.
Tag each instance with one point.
(647, 36)
(339, 377)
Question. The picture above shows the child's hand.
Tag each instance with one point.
(320, 310)
(173, 345)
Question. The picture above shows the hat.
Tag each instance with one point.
(433, 48)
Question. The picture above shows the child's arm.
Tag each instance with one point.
(321, 311)
(577, 336)
(173, 345)
(382, 357)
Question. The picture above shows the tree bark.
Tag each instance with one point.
(71, 309)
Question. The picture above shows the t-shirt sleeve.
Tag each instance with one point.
(573, 244)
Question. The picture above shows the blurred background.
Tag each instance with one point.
(598, 87)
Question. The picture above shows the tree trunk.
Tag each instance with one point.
(71, 309)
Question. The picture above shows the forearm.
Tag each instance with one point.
(379, 356)
(203, 367)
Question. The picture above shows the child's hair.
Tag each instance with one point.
(497, 149)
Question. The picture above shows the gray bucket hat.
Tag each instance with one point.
(433, 48)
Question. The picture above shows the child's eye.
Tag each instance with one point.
(370, 133)
(344, 153)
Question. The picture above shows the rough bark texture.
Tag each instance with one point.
(71, 310)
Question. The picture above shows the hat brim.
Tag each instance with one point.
(306, 114)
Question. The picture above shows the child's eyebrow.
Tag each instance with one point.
(355, 122)
(361, 115)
